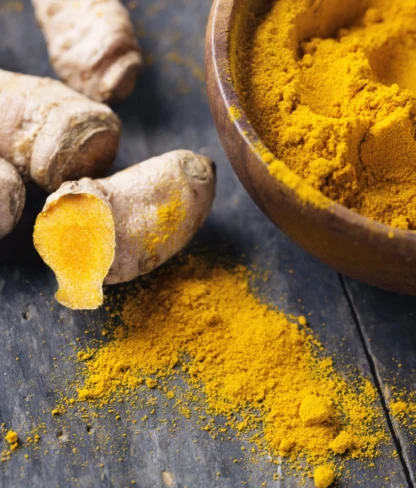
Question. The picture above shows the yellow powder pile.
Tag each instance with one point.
(323, 477)
(330, 87)
(254, 365)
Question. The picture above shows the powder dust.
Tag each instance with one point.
(403, 409)
(169, 218)
(330, 87)
(266, 373)
(14, 441)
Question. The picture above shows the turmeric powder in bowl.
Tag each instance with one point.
(330, 87)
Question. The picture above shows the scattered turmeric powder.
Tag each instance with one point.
(151, 383)
(342, 443)
(255, 365)
(324, 477)
(169, 217)
(330, 87)
(59, 410)
(13, 439)
(234, 113)
(403, 409)
(315, 410)
(399, 408)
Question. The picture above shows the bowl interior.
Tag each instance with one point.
(349, 242)
(244, 18)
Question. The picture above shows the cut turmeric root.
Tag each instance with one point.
(79, 247)
(115, 229)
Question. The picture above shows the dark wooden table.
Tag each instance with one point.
(369, 328)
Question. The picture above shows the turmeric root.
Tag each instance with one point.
(53, 134)
(114, 229)
(92, 46)
(12, 197)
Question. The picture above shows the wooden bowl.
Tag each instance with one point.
(350, 243)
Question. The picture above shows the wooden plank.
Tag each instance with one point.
(388, 325)
(168, 110)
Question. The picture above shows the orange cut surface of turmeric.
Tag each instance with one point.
(76, 238)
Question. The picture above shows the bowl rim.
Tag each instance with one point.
(219, 35)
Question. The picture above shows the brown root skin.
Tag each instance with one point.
(12, 197)
(53, 134)
(92, 46)
(157, 207)
(180, 182)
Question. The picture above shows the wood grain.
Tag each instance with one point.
(387, 322)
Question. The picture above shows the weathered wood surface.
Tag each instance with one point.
(169, 110)
(387, 324)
